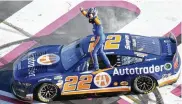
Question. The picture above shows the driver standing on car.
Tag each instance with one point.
(99, 37)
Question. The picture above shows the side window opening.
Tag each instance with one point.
(128, 60)
(112, 59)
(115, 60)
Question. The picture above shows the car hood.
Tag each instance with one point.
(37, 61)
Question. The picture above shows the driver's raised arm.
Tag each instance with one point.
(84, 12)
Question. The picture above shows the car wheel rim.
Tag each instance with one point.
(48, 92)
(145, 84)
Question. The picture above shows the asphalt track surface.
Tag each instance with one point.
(113, 19)
(8, 8)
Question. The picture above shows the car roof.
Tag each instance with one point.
(125, 44)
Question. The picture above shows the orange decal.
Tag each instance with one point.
(84, 82)
(169, 81)
(48, 59)
(102, 79)
(124, 83)
(113, 42)
(70, 83)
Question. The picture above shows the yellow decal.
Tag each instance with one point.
(72, 83)
(112, 42)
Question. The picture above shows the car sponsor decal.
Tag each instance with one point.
(31, 72)
(142, 70)
(45, 79)
(124, 83)
(112, 42)
(168, 66)
(31, 61)
(60, 83)
(58, 77)
(115, 83)
(127, 46)
(75, 83)
(83, 82)
(109, 52)
(48, 59)
(166, 75)
(140, 54)
(150, 59)
(133, 42)
(102, 79)
(31, 64)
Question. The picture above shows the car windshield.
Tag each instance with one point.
(146, 44)
(71, 54)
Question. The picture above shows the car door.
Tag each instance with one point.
(125, 69)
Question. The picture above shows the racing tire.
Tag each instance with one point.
(47, 92)
(144, 84)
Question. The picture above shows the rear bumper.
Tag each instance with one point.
(176, 71)
(169, 80)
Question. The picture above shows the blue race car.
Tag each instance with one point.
(140, 64)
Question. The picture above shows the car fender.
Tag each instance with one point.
(35, 86)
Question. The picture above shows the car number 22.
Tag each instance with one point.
(73, 83)
(112, 42)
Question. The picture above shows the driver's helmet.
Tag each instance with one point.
(92, 11)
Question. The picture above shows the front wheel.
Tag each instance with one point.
(47, 92)
(144, 84)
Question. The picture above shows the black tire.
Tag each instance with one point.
(144, 84)
(47, 92)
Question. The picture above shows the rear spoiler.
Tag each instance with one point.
(176, 57)
(172, 37)
(171, 44)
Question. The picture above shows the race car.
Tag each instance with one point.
(140, 63)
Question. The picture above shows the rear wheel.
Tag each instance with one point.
(47, 92)
(144, 84)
